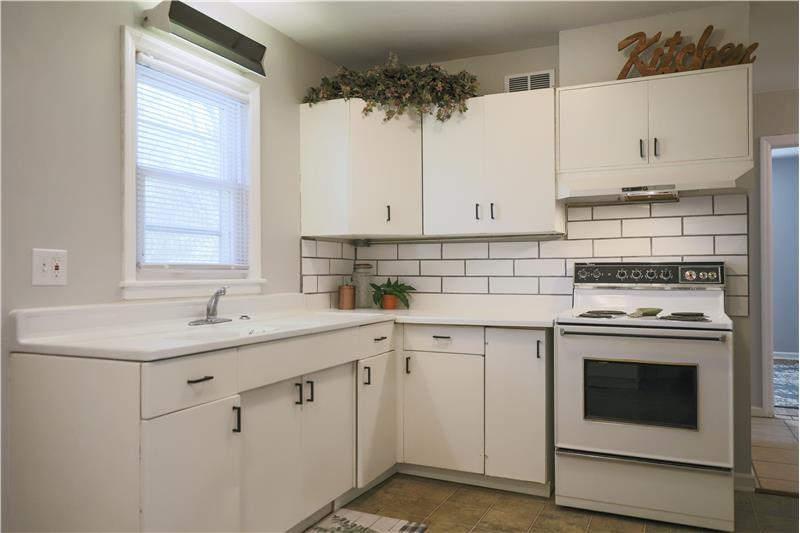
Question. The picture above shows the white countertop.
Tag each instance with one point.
(486, 317)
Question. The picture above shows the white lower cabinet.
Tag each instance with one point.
(443, 410)
(517, 440)
(377, 416)
(298, 447)
(190, 469)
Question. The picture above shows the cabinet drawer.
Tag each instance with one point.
(176, 384)
(375, 339)
(448, 339)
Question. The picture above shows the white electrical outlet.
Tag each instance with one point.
(49, 267)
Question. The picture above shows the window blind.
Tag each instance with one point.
(191, 170)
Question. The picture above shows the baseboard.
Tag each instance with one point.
(354, 493)
(479, 480)
(761, 412)
(745, 482)
(791, 356)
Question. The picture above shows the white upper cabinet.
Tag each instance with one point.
(360, 176)
(603, 126)
(491, 169)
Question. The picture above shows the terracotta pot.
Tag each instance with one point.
(389, 301)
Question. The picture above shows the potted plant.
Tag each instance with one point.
(386, 294)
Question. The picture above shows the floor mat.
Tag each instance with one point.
(348, 521)
(785, 383)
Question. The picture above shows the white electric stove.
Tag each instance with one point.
(644, 404)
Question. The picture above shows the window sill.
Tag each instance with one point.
(156, 289)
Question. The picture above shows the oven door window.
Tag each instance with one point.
(640, 393)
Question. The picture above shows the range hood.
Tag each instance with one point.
(188, 23)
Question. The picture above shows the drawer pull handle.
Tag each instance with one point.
(442, 337)
(408, 365)
(641, 148)
(388, 213)
(299, 400)
(538, 349)
(477, 215)
(379, 339)
(199, 380)
(656, 151)
(311, 391)
(369, 376)
(491, 210)
(238, 410)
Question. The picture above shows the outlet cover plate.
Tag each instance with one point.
(49, 267)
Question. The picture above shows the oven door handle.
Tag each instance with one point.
(713, 338)
(641, 461)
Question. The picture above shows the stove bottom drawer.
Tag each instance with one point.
(682, 495)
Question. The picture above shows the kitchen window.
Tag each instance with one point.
(191, 165)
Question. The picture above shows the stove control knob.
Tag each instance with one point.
(712, 275)
(583, 273)
(596, 273)
(636, 274)
(650, 274)
(622, 274)
(703, 275)
(665, 274)
(690, 275)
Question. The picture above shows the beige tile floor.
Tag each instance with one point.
(454, 508)
(774, 452)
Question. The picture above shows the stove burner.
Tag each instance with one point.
(602, 313)
(686, 317)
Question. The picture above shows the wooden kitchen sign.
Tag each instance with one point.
(669, 58)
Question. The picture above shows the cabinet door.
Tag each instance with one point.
(602, 126)
(520, 161)
(700, 116)
(443, 411)
(190, 469)
(272, 457)
(516, 404)
(377, 409)
(453, 167)
(329, 434)
(386, 173)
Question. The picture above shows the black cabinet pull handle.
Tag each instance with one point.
(238, 410)
(199, 380)
(491, 210)
(299, 394)
(311, 391)
(641, 148)
(655, 147)
(538, 349)
(379, 339)
(477, 216)
(369, 376)
(388, 213)
(408, 365)
(445, 337)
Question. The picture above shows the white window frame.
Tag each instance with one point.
(194, 60)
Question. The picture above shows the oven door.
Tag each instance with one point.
(656, 393)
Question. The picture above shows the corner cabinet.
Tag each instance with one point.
(360, 175)
(685, 131)
(491, 170)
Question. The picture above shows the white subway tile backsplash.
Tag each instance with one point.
(465, 285)
(736, 286)
(565, 248)
(593, 229)
(514, 285)
(692, 205)
(315, 266)
(419, 251)
(328, 283)
(579, 213)
(329, 249)
(377, 251)
(735, 265)
(309, 284)
(342, 266)
(653, 259)
(683, 245)
(442, 268)
(423, 283)
(729, 204)
(715, 225)
(621, 211)
(398, 268)
(620, 247)
(490, 267)
(651, 227)
(465, 250)
(539, 267)
(308, 248)
(555, 285)
(348, 251)
(513, 250)
(730, 244)
(737, 305)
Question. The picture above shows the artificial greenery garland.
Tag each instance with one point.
(396, 88)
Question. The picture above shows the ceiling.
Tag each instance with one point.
(361, 34)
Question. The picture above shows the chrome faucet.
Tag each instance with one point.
(211, 310)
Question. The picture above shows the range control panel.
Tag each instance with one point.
(650, 273)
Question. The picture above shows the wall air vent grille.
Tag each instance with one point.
(529, 81)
